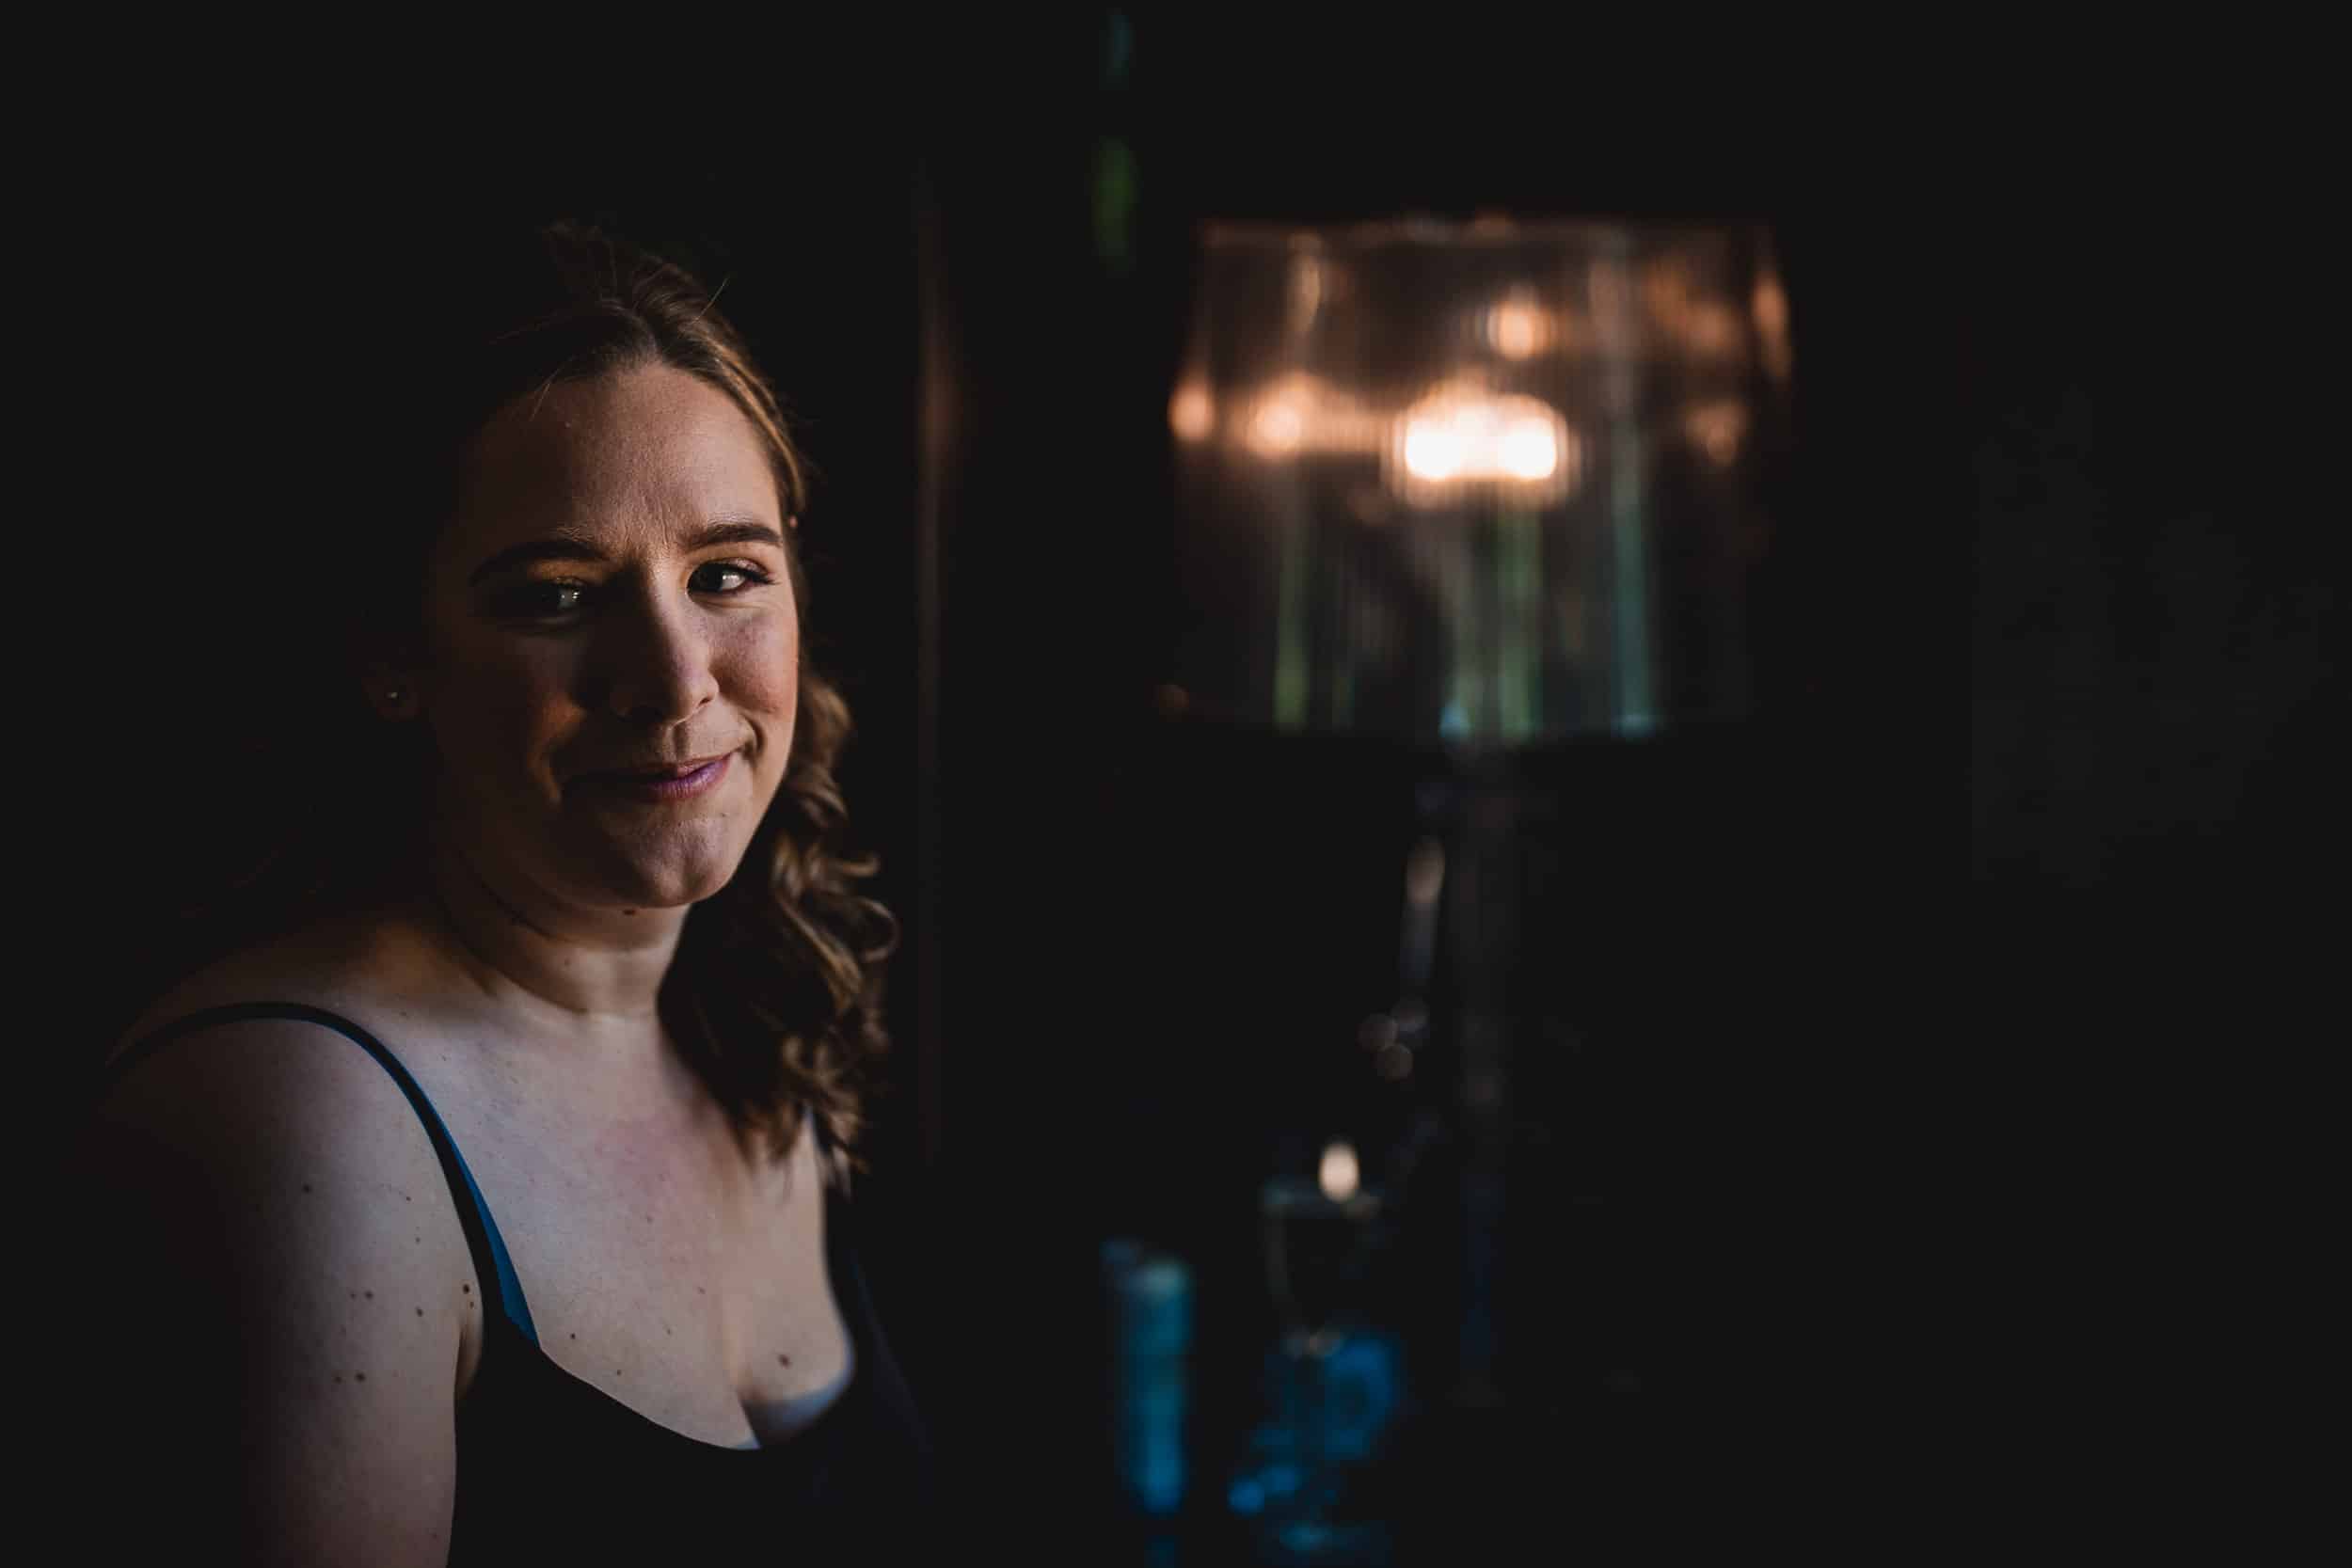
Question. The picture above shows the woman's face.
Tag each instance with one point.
(613, 597)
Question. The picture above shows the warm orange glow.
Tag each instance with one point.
(1528, 450)
(1192, 412)
(1308, 288)
(1717, 428)
(1518, 327)
(1462, 436)
(1339, 1171)
(1278, 427)
(1436, 447)
(1711, 328)
(1301, 413)
(1769, 305)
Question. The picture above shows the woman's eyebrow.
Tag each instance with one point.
(573, 546)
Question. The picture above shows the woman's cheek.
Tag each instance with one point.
(509, 710)
(766, 673)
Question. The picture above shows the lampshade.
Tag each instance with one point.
(1487, 484)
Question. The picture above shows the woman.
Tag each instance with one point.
(491, 1203)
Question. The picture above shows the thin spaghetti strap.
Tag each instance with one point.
(490, 1260)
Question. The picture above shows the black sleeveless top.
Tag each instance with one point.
(553, 1469)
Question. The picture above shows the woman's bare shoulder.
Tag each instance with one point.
(352, 967)
(278, 1191)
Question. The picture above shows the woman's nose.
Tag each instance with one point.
(654, 664)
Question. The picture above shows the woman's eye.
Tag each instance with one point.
(539, 601)
(731, 576)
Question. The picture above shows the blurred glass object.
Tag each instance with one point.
(1490, 483)
(1149, 1300)
(1318, 1240)
(1333, 1401)
(1334, 1377)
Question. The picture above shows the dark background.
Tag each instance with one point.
(1932, 1039)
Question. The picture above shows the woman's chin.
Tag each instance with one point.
(664, 884)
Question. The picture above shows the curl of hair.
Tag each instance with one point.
(775, 996)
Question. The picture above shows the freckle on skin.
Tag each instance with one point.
(361, 1376)
(370, 1294)
(306, 1186)
(783, 1360)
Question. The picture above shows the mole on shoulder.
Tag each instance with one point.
(419, 1311)
(370, 1294)
(361, 1376)
(306, 1186)
(783, 1360)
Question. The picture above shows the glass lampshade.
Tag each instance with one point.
(1484, 483)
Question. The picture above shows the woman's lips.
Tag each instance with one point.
(673, 784)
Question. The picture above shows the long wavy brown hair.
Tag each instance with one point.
(775, 994)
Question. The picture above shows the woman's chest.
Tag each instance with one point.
(660, 1265)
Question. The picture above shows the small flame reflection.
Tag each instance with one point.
(1339, 1171)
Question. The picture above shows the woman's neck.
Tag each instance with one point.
(590, 976)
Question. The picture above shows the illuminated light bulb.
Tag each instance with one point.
(1435, 449)
(1466, 436)
(1192, 412)
(1338, 1175)
(1528, 450)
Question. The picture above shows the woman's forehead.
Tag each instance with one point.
(650, 446)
